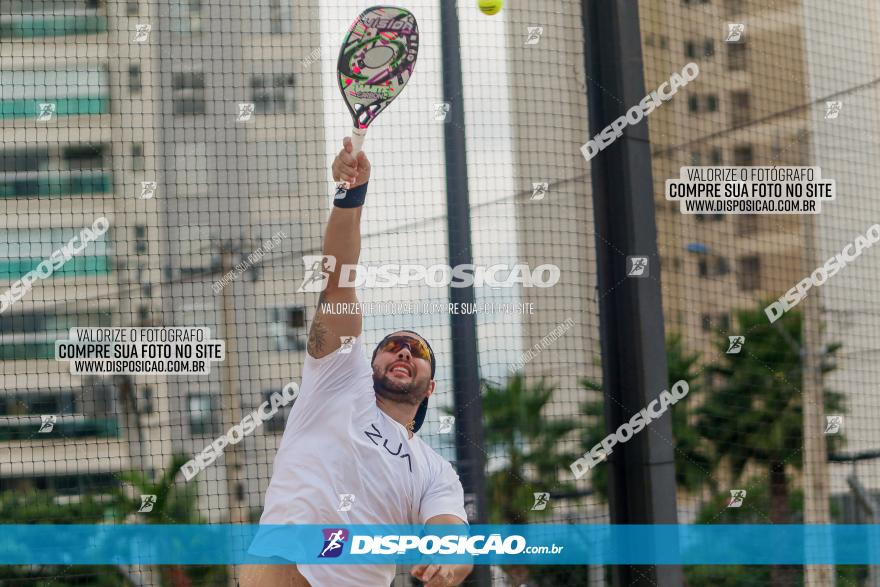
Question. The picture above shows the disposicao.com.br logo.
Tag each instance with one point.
(334, 541)
(401, 544)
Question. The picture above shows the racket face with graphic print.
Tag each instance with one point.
(376, 61)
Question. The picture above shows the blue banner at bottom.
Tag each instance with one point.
(481, 544)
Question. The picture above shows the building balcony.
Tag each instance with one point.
(32, 335)
(29, 26)
(31, 184)
(66, 426)
(24, 108)
(79, 266)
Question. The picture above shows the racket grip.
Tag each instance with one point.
(357, 140)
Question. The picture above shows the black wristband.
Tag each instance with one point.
(352, 198)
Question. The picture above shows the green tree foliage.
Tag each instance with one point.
(753, 416)
(527, 452)
(693, 463)
(175, 504)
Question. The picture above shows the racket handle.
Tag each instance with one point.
(357, 140)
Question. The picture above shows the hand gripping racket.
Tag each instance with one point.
(375, 63)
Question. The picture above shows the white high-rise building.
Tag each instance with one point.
(842, 57)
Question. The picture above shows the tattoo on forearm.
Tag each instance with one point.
(318, 333)
(317, 336)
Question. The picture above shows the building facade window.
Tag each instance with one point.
(36, 403)
(137, 157)
(737, 56)
(146, 403)
(140, 239)
(22, 249)
(186, 16)
(740, 108)
(708, 48)
(748, 274)
(706, 322)
(32, 335)
(188, 92)
(746, 224)
(25, 159)
(715, 322)
(713, 266)
(278, 421)
(59, 170)
(273, 94)
(83, 156)
(201, 409)
(733, 7)
(25, 19)
(287, 328)
(712, 103)
(280, 16)
(743, 155)
(76, 90)
(135, 84)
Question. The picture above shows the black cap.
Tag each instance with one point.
(423, 408)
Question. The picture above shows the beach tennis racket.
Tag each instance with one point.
(376, 60)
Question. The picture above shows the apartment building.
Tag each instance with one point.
(843, 56)
(745, 108)
(146, 129)
(68, 78)
(764, 100)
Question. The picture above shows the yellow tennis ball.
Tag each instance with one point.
(490, 7)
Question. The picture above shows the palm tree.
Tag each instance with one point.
(526, 452)
(526, 444)
(754, 415)
(693, 464)
(174, 504)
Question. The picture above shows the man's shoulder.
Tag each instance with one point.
(434, 461)
(343, 375)
(340, 366)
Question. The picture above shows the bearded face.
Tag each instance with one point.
(400, 377)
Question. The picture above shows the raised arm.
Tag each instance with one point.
(342, 242)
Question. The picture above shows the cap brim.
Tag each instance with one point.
(420, 415)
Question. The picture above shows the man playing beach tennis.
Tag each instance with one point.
(349, 454)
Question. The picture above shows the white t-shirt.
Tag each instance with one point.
(338, 441)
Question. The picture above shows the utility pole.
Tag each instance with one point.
(470, 458)
(871, 510)
(231, 399)
(816, 490)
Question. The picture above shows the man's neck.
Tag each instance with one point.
(398, 412)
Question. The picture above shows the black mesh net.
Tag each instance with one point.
(166, 164)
